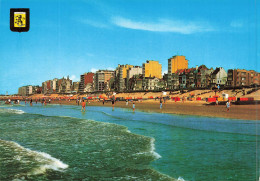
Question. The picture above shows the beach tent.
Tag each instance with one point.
(198, 98)
(232, 98)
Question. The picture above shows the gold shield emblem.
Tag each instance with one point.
(19, 19)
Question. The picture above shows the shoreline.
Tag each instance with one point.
(241, 112)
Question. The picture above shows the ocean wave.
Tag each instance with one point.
(180, 179)
(40, 161)
(7, 105)
(12, 111)
(151, 151)
(65, 116)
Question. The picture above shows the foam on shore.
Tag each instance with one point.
(14, 111)
(41, 161)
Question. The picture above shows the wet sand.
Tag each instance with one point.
(244, 112)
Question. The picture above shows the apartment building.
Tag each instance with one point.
(86, 82)
(177, 62)
(241, 77)
(152, 69)
(102, 78)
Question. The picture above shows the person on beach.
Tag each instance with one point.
(216, 101)
(113, 103)
(126, 102)
(161, 103)
(228, 105)
(31, 102)
(133, 107)
(103, 101)
(83, 105)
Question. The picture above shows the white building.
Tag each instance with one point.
(218, 77)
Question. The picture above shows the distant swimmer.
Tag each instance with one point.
(83, 105)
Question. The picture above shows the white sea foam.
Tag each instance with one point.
(180, 179)
(157, 156)
(15, 111)
(48, 163)
(151, 151)
(44, 161)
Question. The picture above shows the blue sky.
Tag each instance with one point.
(70, 37)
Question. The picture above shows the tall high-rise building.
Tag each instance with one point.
(177, 62)
(121, 76)
(86, 81)
(26, 90)
(136, 70)
(101, 79)
(152, 69)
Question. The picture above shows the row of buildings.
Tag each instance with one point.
(149, 77)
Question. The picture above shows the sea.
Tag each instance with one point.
(60, 142)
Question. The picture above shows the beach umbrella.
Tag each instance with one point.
(84, 98)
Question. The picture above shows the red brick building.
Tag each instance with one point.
(241, 77)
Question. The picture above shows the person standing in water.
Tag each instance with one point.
(31, 102)
(83, 105)
(133, 107)
(228, 105)
(113, 103)
(160, 103)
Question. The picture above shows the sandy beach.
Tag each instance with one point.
(193, 107)
(244, 112)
